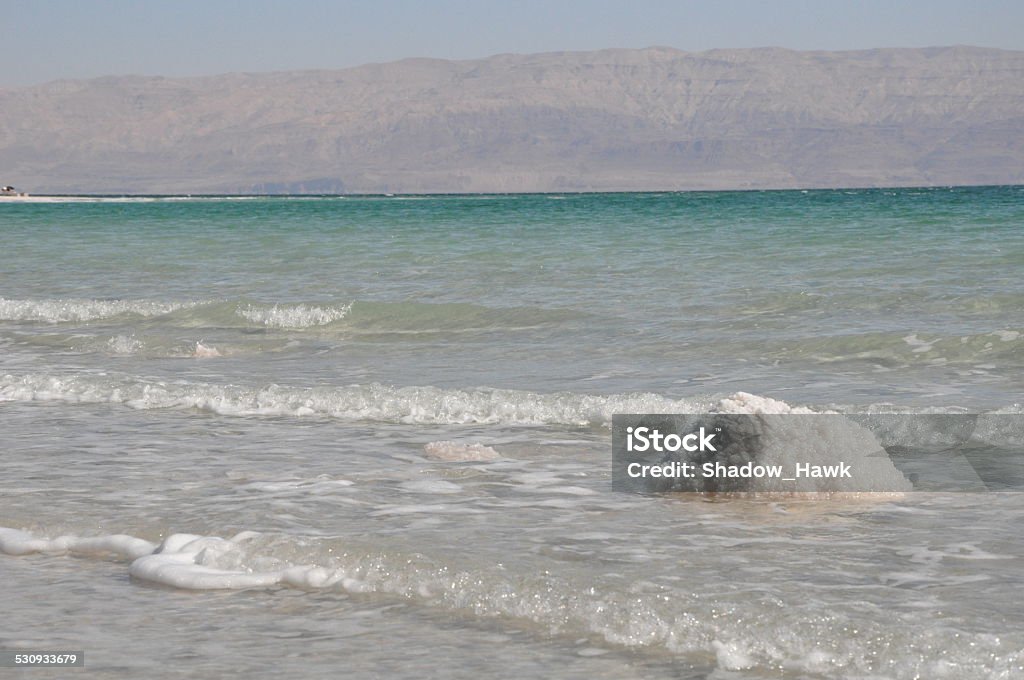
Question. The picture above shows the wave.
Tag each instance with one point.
(986, 350)
(680, 621)
(294, 316)
(365, 317)
(373, 402)
(62, 311)
(412, 405)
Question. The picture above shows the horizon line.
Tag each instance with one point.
(595, 192)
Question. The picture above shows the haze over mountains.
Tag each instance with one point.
(652, 119)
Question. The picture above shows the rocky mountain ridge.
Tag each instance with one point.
(651, 119)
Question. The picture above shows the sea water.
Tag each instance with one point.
(371, 435)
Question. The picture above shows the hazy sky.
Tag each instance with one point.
(43, 40)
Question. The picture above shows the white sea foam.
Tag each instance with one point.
(124, 344)
(918, 344)
(732, 656)
(802, 638)
(294, 316)
(456, 452)
(427, 405)
(61, 311)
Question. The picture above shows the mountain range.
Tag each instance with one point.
(618, 119)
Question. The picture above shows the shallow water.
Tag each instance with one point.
(214, 366)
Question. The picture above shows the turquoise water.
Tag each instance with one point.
(837, 296)
(210, 366)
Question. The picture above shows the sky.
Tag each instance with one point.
(44, 40)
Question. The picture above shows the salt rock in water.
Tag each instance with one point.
(454, 452)
(204, 352)
(744, 402)
(828, 441)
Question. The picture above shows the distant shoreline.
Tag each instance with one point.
(619, 120)
(84, 198)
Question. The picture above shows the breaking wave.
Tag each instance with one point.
(364, 317)
(294, 316)
(801, 637)
(62, 311)
(374, 402)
